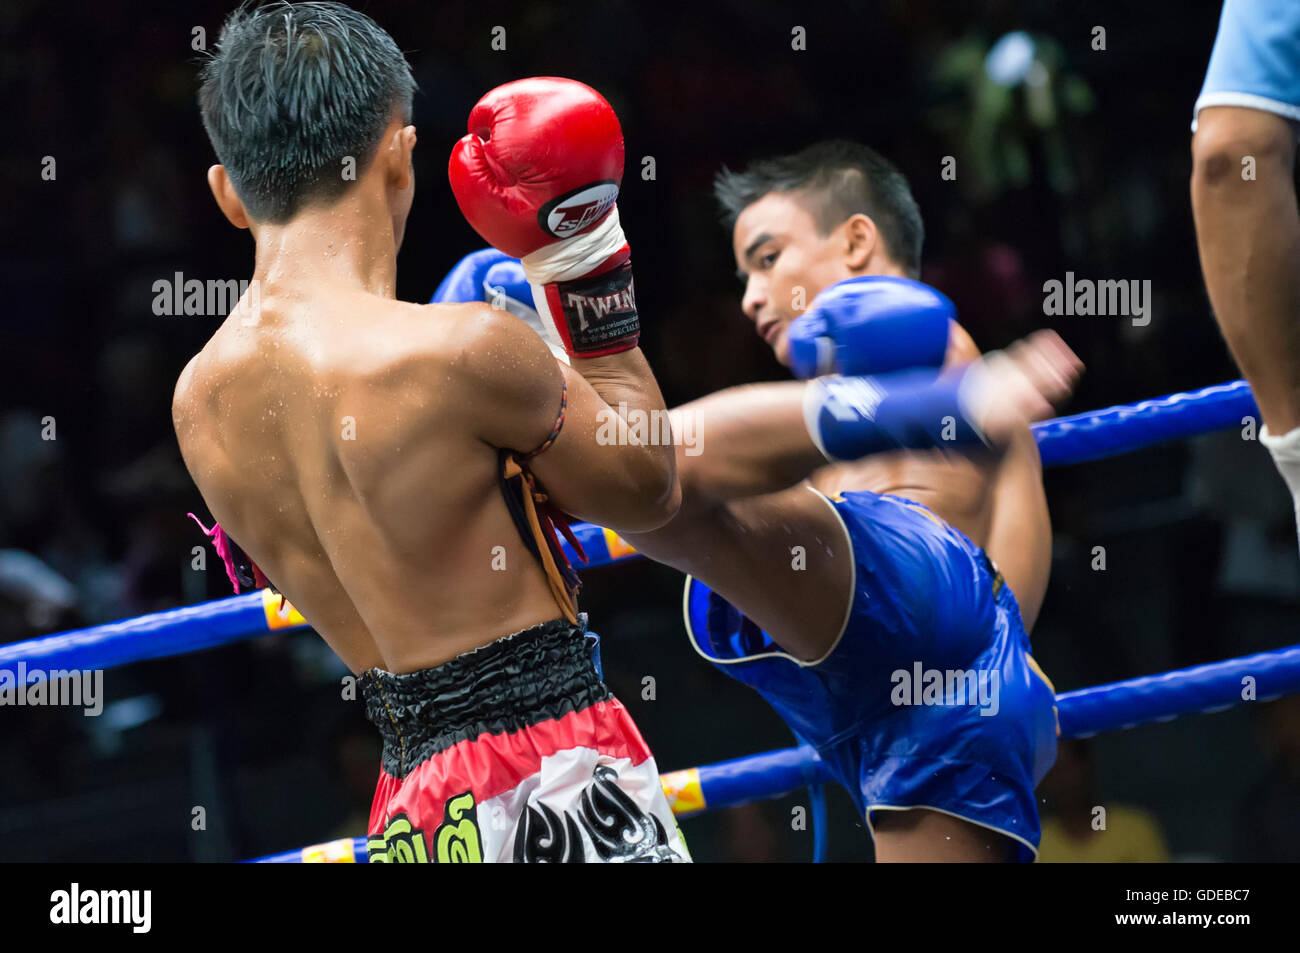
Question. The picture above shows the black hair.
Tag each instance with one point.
(840, 179)
(294, 89)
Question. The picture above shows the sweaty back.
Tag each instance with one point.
(336, 445)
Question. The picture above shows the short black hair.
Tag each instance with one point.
(842, 179)
(293, 89)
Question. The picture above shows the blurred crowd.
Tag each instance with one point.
(1068, 158)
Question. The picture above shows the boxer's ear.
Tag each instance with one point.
(400, 177)
(861, 241)
(224, 192)
(401, 144)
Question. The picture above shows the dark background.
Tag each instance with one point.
(1086, 174)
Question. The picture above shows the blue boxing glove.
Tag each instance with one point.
(852, 417)
(465, 282)
(873, 324)
(494, 277)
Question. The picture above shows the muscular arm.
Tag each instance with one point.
(744, 441)
(516, 386)
(1020, 534)
(753, 439)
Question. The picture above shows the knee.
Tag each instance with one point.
(1227, 136)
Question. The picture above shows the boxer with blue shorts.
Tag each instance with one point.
(930, 697)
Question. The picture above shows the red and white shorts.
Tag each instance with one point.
(515, 752)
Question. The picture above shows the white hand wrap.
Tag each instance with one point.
(586, 316)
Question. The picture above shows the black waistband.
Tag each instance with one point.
(540, 673)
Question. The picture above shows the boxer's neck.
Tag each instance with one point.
(349, 242)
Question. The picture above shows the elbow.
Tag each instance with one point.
(653, 490)
(1226, 138)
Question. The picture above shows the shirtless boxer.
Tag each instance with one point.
(374, 456)
(878, 584)
(917, 562)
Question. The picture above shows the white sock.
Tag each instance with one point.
(1286, 456)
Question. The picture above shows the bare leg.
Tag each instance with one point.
(1248, 233)
(921, 836)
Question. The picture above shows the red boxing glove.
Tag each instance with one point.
(542, 162)
(537, 177)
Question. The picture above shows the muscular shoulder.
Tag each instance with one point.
(183, 395)
(193, 390)
(481, 364)
(201, 380)
(490, 343)
(190, 417)
(496, 354)
(461, 338)
(183, 409)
